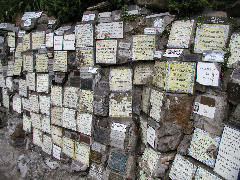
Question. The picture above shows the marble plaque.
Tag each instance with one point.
(180, 77)
(111, 30)
(143, 47)
(34, 104)
(11, 39)
(210, 37)
(69, 119)
(120, 105)
(84, 123)
(58, 43)
(19, 50)
(213, 56)
(202, 174)
(42, 83)
(38, 38)
(10, 70)
(41, 63)
(159, 74)
(82, 153)
(106, 51)
(69, 42)
(37, 137)
(49, 40)
(85, 56)
(60, 61)
(26, 42)
(84, 35)
(68, 147)
(46, 124)
(156, 102)
(120, 79)
(228, 158)
(143, 126)
(203, 146)
(234, 49)
(151, 136)
(44, 103)
(17, 103)
(28, 63)
(17, 67)
(57, 152)
(56, 133)
(36, 120)
(9, 83)
(180, 34)
(208, 74)
(143, 73)
(86, 101)
(88, 17)
(117, 135)
(204, 110)
(47, 144)
(56, 96)
(27, 124)
(182, 169)
(173, 53)
(117, 162)
(5, 100)
(22, 88)
(56, 116)
(96, 172)
(25, 104)
(31, 81)
(70, 98)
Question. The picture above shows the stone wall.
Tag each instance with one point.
(151, 98)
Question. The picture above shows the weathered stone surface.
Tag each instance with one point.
(233, 91)
(184, 145)
(235, 117)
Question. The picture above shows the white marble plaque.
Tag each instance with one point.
(25, 104)
(42, 83)
(69, 118)
(46, 124)
(22, 87)
(213, 56)
(41, 63)
(143, 126)
(151, 136)
(182, 169)
(49, 40)
(36, 120)
(34, 104)
(17, 103)
(28, 63)
(203, 174)
(56, 96)
(56, 135)
(106, 51)
(57, 152)
(60, 61)
(207, 74)
(82, 153)
(56, 116)
(5, 100)
(143, 47)
(180, 34)
(117, 135)
(31, 81)
(27, 124)
(204, 110)
(11, 39)
(109, 30)
(156, 102)
(17, 66)
(69, 42)
(84, 35)
(68, 147)
(120, 79)
(203, 146)
(47, 144)
(158, 24)
(120, 105)
(173, 53)
(26, 40)
(84, 123)
(234, 49)
(19, 50)
(88, 17)
(143, 73)
(70, 98)
(86, 101)
(10, 70)
(228, 158)
(9, 83)
(37, 137)
(58, 43)
(44, 103)
(38, 38)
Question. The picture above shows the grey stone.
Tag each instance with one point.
(78, 167)
(52, 164)
(184, 145)
(235, 117)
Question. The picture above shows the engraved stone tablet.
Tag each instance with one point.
(31, 81)
(85, 56)
(106, 51)
(27, 123)
(49, 40)
(17, 103)
(34, 104)
(58, 43)
(42, 83)
(228, 158)
(82, 153)
(68, 147)
(56, 96)
(180, 34)
(57, 152)
(234, 49)
(22, 88)
(173, 53)
(46, 124)
(143, 73)
(25, 104)
(84, 35)
(109, 30)
(44, 103)
(10, 70)
(47, 144)
(120, 79)
(60, 61)
(69, 118)
(143, 47)
(5, 99)
(120, 105)
(56, 135)
(56, 116)
(117, 136)
(69, 42)
(26, 40)
(17, 66)
(37, 137)
(180, 77)
(38, 38)
(41, 63)
(28, 63)
(203, 147)
(210, 37)
(182, 168)
(11, 39)
(213, 56)
(118, 161)
(159, 74)
(70, 98)
(36, 120)
(84, 123)
(86, 101)
(156, 102)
